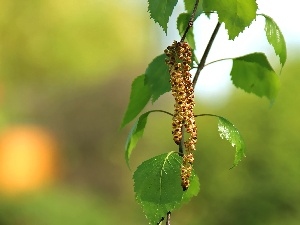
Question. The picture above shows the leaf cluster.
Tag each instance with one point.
(157, 180)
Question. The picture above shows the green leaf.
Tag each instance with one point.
(157, 186)
(228, 131)
(194, 59)
(137, 132)
(158, 77)
(192, 191)
(189, 7)
(275, 38)
(135, 135)
(161, 10)
(254, 74)
(139, 97)
(236, 14)
(182, 22)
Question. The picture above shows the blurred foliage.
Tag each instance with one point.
(70, 40)
(263, 189)
(55, 206)
(59, 62)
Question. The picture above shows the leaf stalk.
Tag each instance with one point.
(205, 54)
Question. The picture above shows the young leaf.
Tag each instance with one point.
(182, 22)
(228, 131)
(189, 7)
(139, 97)
(275, 38)
(161, 10)
(135, 135)
(236, 14)
(157, 186)
(254, 74)
(157, 77)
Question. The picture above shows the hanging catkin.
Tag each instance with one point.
(179, 59)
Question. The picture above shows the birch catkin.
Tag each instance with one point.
(179, 58)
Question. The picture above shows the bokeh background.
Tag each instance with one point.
(65, 74)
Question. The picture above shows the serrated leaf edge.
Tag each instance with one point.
(241, 141)
(281, 34)
(241, 138)
(165, 29)
(182, 201)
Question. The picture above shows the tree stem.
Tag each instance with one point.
(181, 145)
(191, 21)
(168, 221)
(189, 25)
(205, 54)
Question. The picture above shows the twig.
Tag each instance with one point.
(162, 219)
(205, 54)
(200, 67)
(163, 111)
(181, 145)
(168, 221)
(191, 21)
(206, 114)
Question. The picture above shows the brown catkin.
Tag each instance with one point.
(179, 58)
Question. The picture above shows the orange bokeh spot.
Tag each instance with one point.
(27, 159)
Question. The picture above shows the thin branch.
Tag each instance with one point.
(191, 21)
(168, 221)
(162, 219)
(181, 145)
(215, 61)
(163, 111)
(205, 54)
(219, 60)
(207, 114)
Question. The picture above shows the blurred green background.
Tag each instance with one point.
(65, 73)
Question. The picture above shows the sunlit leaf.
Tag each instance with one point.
(139, 97)
(157, 186)
(182, 22)
(157, 77)
(254, 74)
(275, 38)
(161, 10)
(236, 14)
(229, 132)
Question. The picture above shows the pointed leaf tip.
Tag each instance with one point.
(236, 14)
(276, 39)
(229, 132)
(161, 10)
(254, 74)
